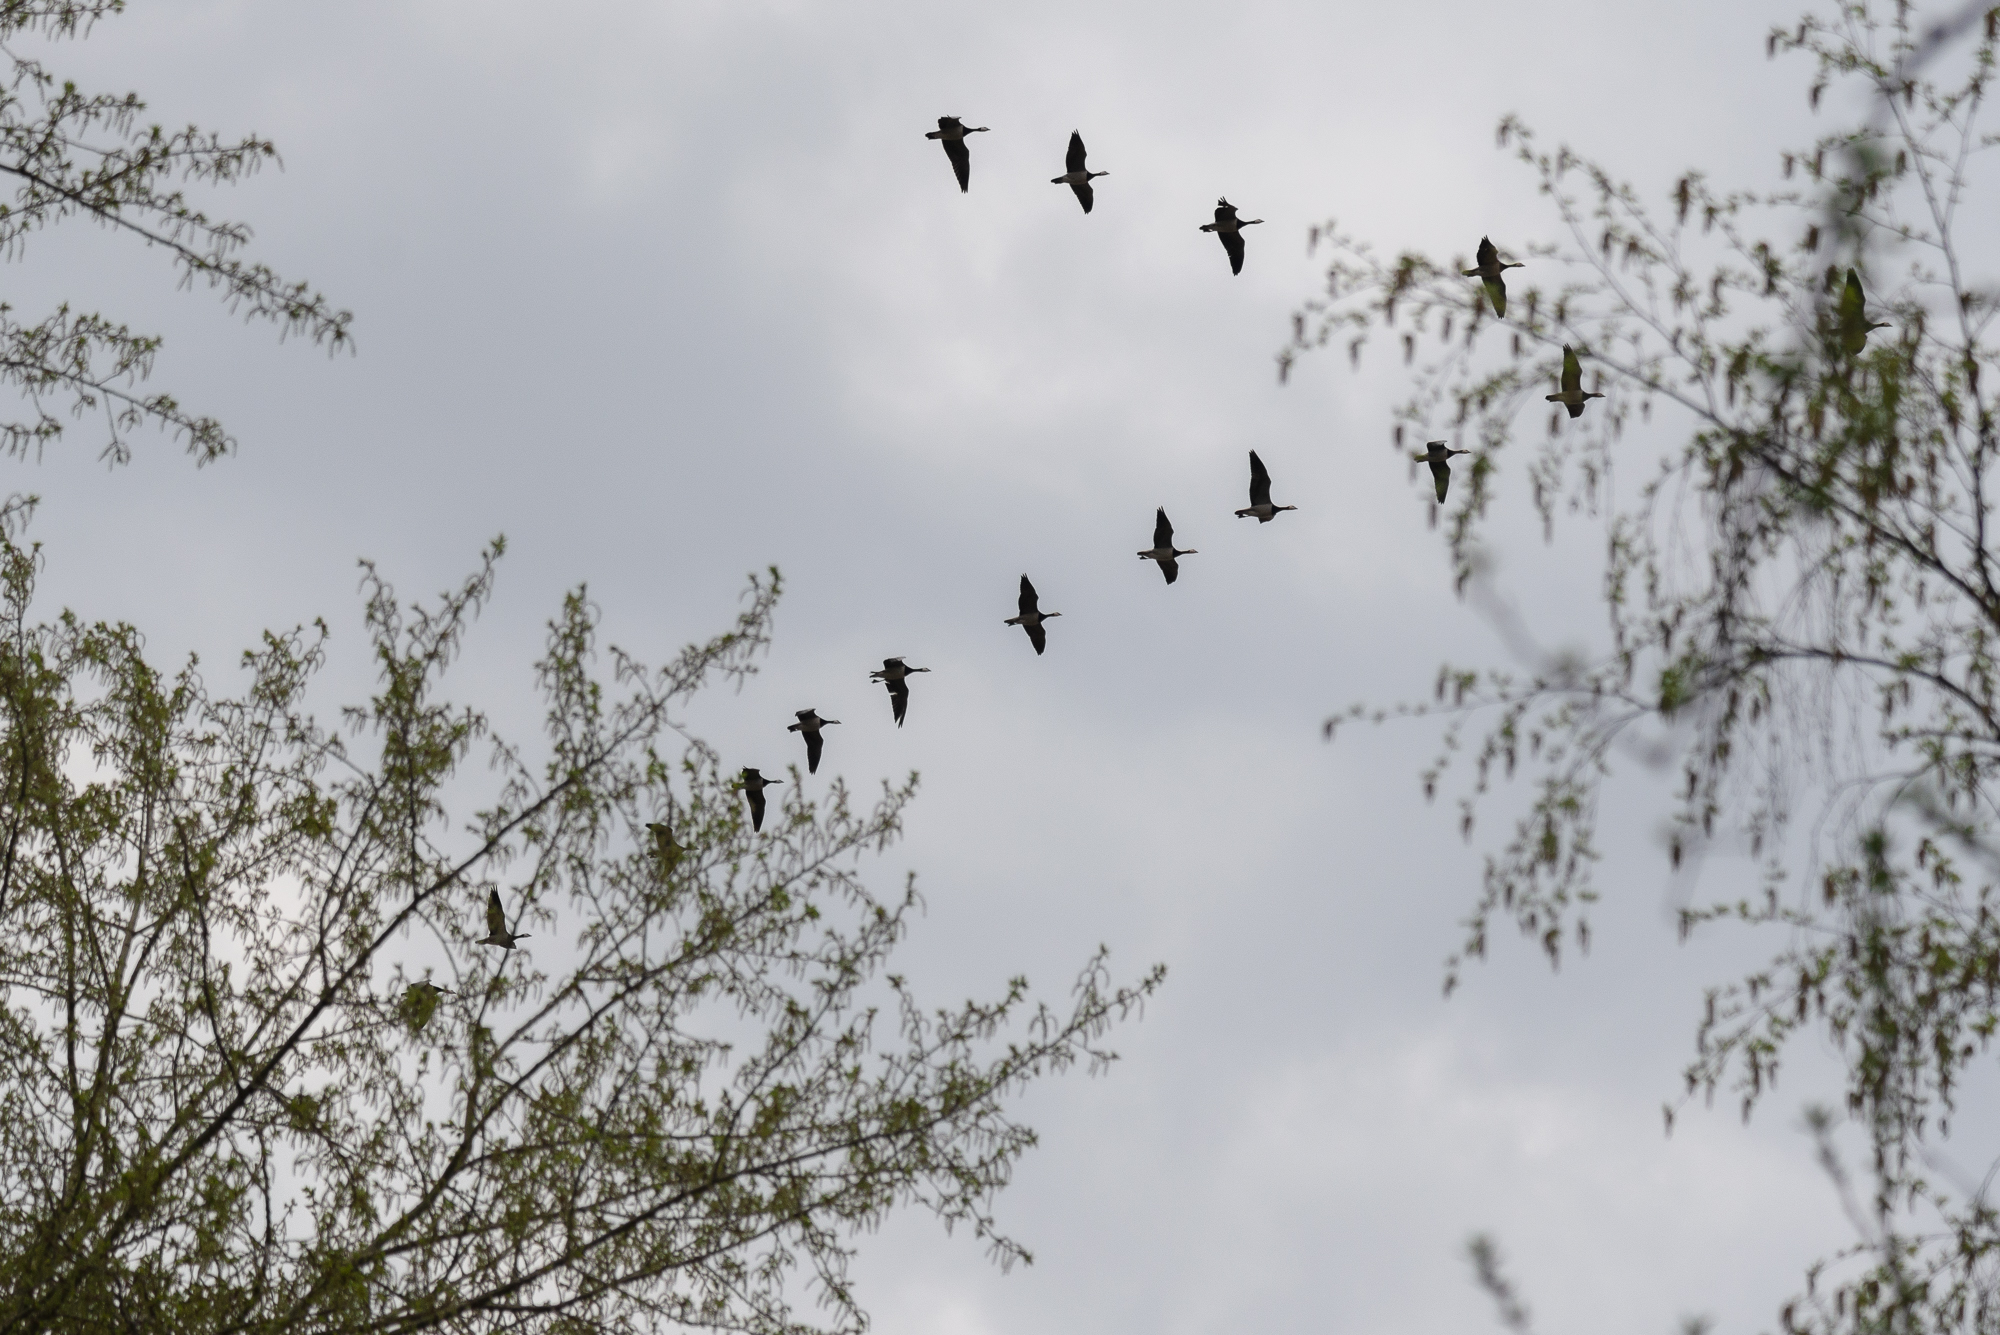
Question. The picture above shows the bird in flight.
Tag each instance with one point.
(496, 925)
(420, 1002)
(1260, 494)
(1163, 549)
(1572, 396)
(664, 845)
(1439, 458)
(952, 131)
(1078, 177)
(1032, 616)
(895, 675)
(808, 726)
(1228, 229)
(1489, 271)
(753, 785)
(1854, 323)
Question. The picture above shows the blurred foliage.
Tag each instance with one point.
(74, 154)
(1799, 586)
(232, 1099)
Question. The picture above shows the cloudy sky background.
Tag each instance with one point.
(668, 293)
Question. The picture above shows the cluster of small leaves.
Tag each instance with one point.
(73, 154)
(1800, 591)
(224, 1106)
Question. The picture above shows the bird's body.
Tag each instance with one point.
(1078, 177)
(951, 131)
(1439, 458)
(663, 844)
(1163, 549)
(753, 785)
(1032, 616)
(1228, 228)
(1854, 323)
(1489, 272)
(496, 925)
(895, 675)
(808, 726)
(1572, 396)
(1261, 508)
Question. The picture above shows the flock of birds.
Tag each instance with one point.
(1850, 335)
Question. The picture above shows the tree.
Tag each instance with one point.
(77, 155)
(260, 1075)
(1801, 598)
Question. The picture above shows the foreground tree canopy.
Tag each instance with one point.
(257, 1074)
(74, 155)
(1802, 594)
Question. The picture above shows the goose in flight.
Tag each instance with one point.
(895, 675)
(664, 845)
(1163, 549)
(808, 726)
(1572, 396)
(952, 131)
(1439, 458)
(1032, 616)
(1854, 323)
(1228, 229)
(1489, 271)
(420, 1002)
(753, 785)
(1078, 177)
(496, 925)
(1260, 494)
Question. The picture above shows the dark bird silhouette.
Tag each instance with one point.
(952, 131)
(1572, 396)
(664, 845)
(1078, 177)
(420, 1002)
(753, 785)
(1439, 458)
(895, 675)
(1032, 616)
(496, 925)
(1854, 323)
(1489, 271)
(1163, 549)
(808, 726)
(1228, 228)
(1260, 494)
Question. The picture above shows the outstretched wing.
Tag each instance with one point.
(1084, 194)
(1496, 292)
(814, 742)
(1028, 598)
(496, 917)
(1233, 243)
(1036, 635)
(961, 162)
(1488, 255)
(899, 700)
(1441, 474)
(1260, 481)
(1163, 533)
(756, 796)
(1075, 159)
(1171, 569)
(1572, 380)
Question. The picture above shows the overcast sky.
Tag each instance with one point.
(668, 293)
